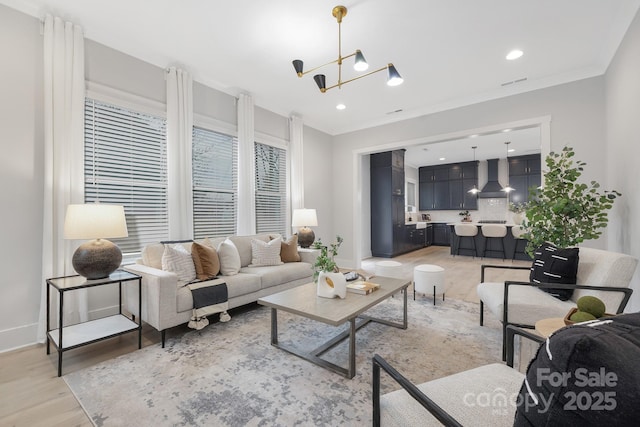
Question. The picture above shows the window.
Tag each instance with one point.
(125, 164)
(215, 183)
(271, 189)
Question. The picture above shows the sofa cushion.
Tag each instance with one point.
(243, 243)
(278, 274)
(206, 261)
(229, 258)
(178, 260)
(289, 249)
(265, 253)
(527, 304)
(555, 265)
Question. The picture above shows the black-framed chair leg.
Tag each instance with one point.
(163, 334)
(481, 313)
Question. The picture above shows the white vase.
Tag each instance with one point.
(331, 285)
(518, 218)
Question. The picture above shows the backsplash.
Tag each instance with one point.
(488, 209)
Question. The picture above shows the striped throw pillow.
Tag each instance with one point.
(178, 260)
(263, 253)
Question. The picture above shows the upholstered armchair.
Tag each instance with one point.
(600, 273)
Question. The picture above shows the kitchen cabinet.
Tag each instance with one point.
(524, 173)
(388, 234)
(446, 187)
(428, 235)
(441, 234)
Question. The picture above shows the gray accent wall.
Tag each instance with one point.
(623, 149)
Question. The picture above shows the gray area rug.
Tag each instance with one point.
(228, 374)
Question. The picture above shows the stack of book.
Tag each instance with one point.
(362, 287)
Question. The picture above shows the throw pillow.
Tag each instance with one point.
(584, 374)
(289, 249)
(206, 261)
(555, 265)
(263, 253)
(177, 259)
(229, 258)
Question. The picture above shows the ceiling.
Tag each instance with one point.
(450, 53)
(489, 146)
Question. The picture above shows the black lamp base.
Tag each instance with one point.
(96, 259)
(306, 237)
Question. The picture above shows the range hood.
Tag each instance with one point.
(492, 189)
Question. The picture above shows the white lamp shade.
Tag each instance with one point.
(304, 218)
(95, 221)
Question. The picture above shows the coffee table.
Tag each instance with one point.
(303, 301)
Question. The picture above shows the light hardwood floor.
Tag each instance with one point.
(31, 394)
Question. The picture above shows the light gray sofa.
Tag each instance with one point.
(166, 302)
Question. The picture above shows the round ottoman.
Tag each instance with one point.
(389, 269)
(428, 278)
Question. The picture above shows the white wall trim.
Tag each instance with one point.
(125, 99)
(202, 121)
(274, 141)
(18, 337)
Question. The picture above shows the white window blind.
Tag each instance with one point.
(125, 164)
(271, 189)
(215, 183)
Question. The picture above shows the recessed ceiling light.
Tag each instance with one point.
(341, 106)
(475, 135)
(514, 54)
(511, 150)
(442, 158)
(506, 130)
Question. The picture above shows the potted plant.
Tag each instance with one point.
(565, 212)
(325, 261)
(466, 216)
(329, 282)
(519, 210)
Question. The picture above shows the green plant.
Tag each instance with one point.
(465, 214)
(565, 212)
(325, 261)
(518, 207)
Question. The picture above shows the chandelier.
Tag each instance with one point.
(360, 64)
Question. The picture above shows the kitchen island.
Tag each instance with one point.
(492, 245)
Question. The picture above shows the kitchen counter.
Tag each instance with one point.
(488, 248)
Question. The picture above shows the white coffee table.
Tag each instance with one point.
(303, 301)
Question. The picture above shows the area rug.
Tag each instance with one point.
(228, 374)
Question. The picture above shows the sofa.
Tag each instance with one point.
(167, 302)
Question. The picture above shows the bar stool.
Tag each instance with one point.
(428, 278)
(466, 230)
(517, 231)
(494, 231)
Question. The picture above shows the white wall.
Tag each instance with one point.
(577, 119)
(623, 136)
(21, 177)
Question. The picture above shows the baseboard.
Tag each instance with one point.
(15, 338)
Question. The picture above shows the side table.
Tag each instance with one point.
(546, 327)
(73, 336)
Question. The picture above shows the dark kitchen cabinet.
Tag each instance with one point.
(388, 232)
(524, 173)
(446, 187)
(441, 234)
(428, 235)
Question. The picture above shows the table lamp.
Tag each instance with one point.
(305, 218)
(99, 257)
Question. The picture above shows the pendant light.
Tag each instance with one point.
(507, 188)
(474, 190)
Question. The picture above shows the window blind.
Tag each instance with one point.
(271, 189)
(215, 183)
(125, 164)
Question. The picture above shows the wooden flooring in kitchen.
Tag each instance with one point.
(31, 394)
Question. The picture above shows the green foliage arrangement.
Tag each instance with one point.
(566, 212)
(325, 261)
